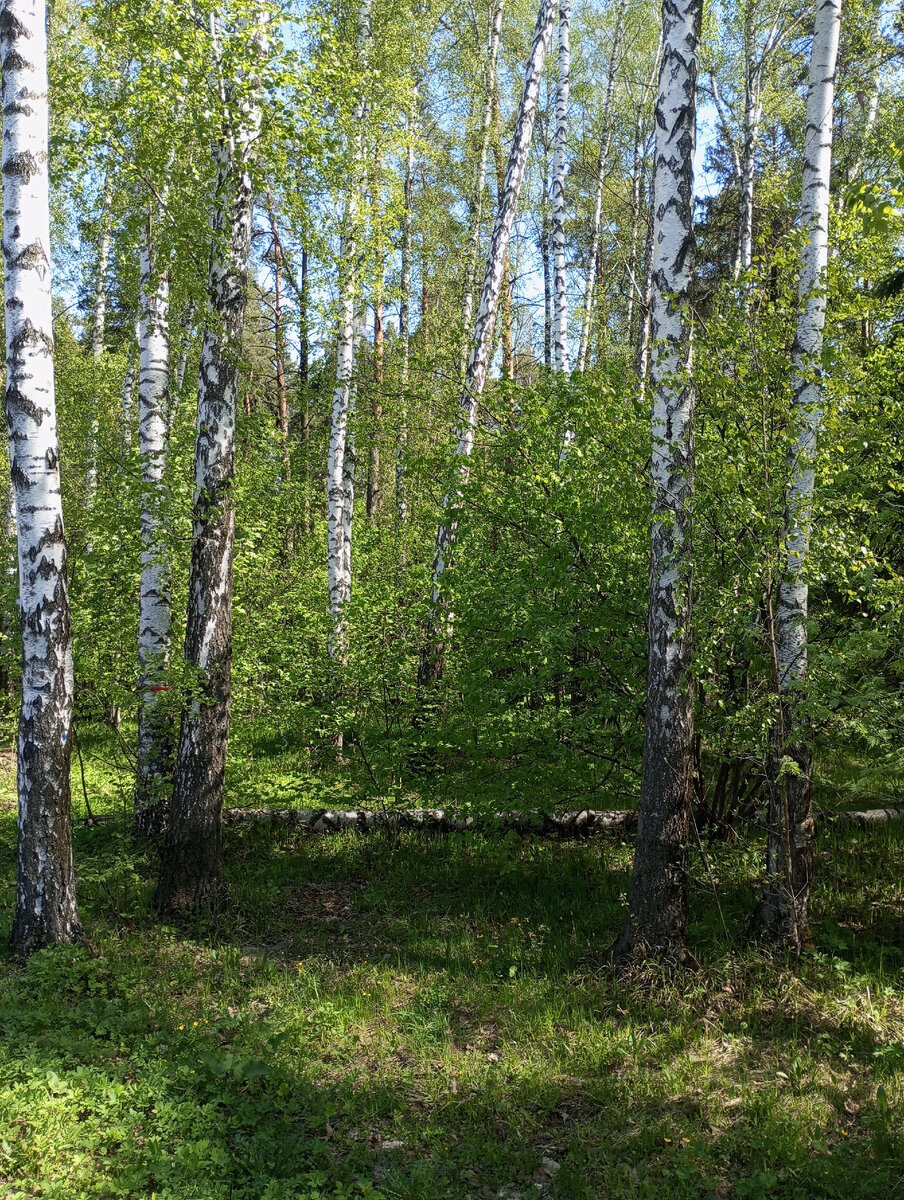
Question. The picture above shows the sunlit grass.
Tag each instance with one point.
(434, 1017)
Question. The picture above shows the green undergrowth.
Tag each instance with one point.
(434, 1017)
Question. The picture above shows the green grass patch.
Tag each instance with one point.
(433, 1017)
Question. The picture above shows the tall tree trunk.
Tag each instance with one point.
(45, 887)
(103, 259)
(128, 388)
(339, 524)
(374, 494)
(782, 914)
(490, 85)
(646, 314)
(304, 354)
(99, 331)
(547, 290)
(279, 337)
(374, 499)
(755, 62)
(188, 335)
(656, 920)
(639, 199)
(560, 289)
(192, 867)
(405, 320)
(430, 668)
(602, 166)
(155, 604)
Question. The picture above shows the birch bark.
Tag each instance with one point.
(430, 668)
(602, 166)
(480, 181)
(782, 914)
(755, 62)
(45, 888)
(128, 388)
(191, 866)
(401, 497)
(560, 290)
(99, 331)
(188, 334)
(656, 920)
(339, 516)
(155, 604)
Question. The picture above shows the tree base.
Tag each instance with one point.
(630, 953)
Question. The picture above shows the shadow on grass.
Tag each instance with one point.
(430, 1017)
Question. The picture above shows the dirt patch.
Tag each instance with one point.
(324, 901)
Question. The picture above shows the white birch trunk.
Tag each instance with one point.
(560, 288)
(128, 387)
(467, 310)
(782, 914)
(155, 606)
(191, 866)
(103, 257)
(45, 888)
(98, 334)
(339, 515)
(479, 360)
(405, 323)
(602, 166)
(656, 920)
(188, 335)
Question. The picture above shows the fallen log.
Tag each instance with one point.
(437, 820)
(583, 823)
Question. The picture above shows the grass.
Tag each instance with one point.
(431, 1018)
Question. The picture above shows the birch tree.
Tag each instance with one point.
(656, 920)
(480, 181)
(339, 471)
(430, 667)
(756, 61)
(602, 166)
(401, 497)
(45, 909)
(154, 757)
(560, 290)
(782, 914)
(191, 867)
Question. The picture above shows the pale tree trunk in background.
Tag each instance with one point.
(405, 321)
(103, 258)
(547, 290)
(191, 866)
(782, 914)
(560, 290)
(188, 333)
(490, 84)
(374, 493)
(303, 357)
(643, 336)
(45, 887)
(339, 525)
(128, 388)
(656, 920)
(638, 200)
(279, 337)
(430, 668)
(154, 766)
(374, 498)
(505, 293)
(602, 166)
(755, 63)
(99, 331)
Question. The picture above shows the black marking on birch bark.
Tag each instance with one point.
(26, 259)
(25, 165)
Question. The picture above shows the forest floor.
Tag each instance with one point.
(434, 1017)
